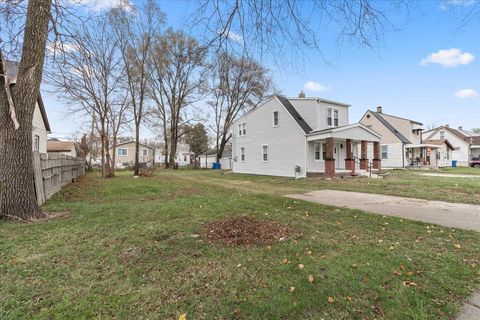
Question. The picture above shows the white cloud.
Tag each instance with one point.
(315, 86)
(466, 93)
(448, 58)
(455, 3)
(101, 5)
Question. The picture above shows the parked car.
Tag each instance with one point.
(475, 162)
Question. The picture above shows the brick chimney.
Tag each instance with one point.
(301, 94)
(379, 109)
(460, 128)
(447, 125)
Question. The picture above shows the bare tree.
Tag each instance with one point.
(178, 76)
(17, 104)
(89, 76)
(237, 85)
(136, 32)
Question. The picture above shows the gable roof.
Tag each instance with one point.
(294, 113)
(12, 72)
(389, 126)
(439, 142)
(59, 146)
(457, 133)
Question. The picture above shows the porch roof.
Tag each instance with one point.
(422, 145)
(475, 146)
(356, 131)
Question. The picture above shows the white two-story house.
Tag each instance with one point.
(296, 137)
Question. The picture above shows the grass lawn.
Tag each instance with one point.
(404, 183)
(460, 170)
(126, 251)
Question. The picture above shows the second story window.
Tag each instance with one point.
(442, 135)
(275, 118)
(332, 117)
(242, 129)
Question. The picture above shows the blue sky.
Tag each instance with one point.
(443, 89)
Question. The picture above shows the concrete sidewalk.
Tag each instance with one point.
(455, 215)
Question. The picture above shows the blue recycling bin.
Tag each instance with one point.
(216, 166)
(454, 163)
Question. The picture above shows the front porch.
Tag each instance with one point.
(343, 151)
(429, 154)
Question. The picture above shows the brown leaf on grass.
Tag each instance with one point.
(292, 289)
(349, 299)
(310, 278)
(183, 316)
(397, 273)
(457, 245)
(409, 284)
(330, 300)
(309, 252)
(301, 266)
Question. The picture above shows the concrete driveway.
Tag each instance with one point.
(455, 215)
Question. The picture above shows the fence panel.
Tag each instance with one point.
(53, 171)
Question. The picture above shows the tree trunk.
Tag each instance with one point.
(173, 147)
(137, 149)
(221, 148)
(17, 190)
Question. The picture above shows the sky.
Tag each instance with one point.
(426, 68)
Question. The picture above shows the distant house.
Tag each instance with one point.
(183, 156)
(125, 154)
(61, 147)
(402, 143)
(466, 144)
(40, 125)
(304, 136)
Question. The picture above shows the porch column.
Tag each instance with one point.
(363, 156)
(329, 161)
(349, 161)
(377, 159)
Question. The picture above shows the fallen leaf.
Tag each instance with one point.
(183, 316)
(292, 289)
(239, 265)
(456, 245)
(354, 265)
(309, 252)
(330, 300)
(349, 299)
(397, 273)
(301, 266)
(409, 283)
(310, 278)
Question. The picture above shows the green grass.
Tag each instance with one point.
(461, 170)
(126, 251)
(405, 183)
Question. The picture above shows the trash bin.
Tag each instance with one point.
(454, 163)
(216, 166)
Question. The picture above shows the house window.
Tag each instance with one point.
(317, 151)
(242, 154)
(144, 152)
(242, 129)
(384, 152)
(184, 158)
(324, 153)
(332, 117)
(442, 135)
(122, 152)
(265, 153)
(275, 118)
(36, 143)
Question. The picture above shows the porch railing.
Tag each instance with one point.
(369, 165)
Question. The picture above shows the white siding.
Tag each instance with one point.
(315, 112)
(461, 152)
(395, 156)
(38, 129)
(286, 142)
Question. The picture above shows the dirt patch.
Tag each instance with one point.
(245, 230)
(130, 253)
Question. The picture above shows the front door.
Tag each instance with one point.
(339, 153)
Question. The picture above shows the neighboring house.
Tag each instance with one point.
(207, 160)
(61, 147)
(40, 125)
(296, 137)
(466, 144)
(183, 156)
(402, 144)
(125, 154)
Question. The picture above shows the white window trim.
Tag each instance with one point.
(36, 143)
(242, 153)
(332, 109)
(268, 153)
(240, 130)
(319, 152)
(381, 152)
(141, 153)
(278, 119)
(244, 129)
(122, 155)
